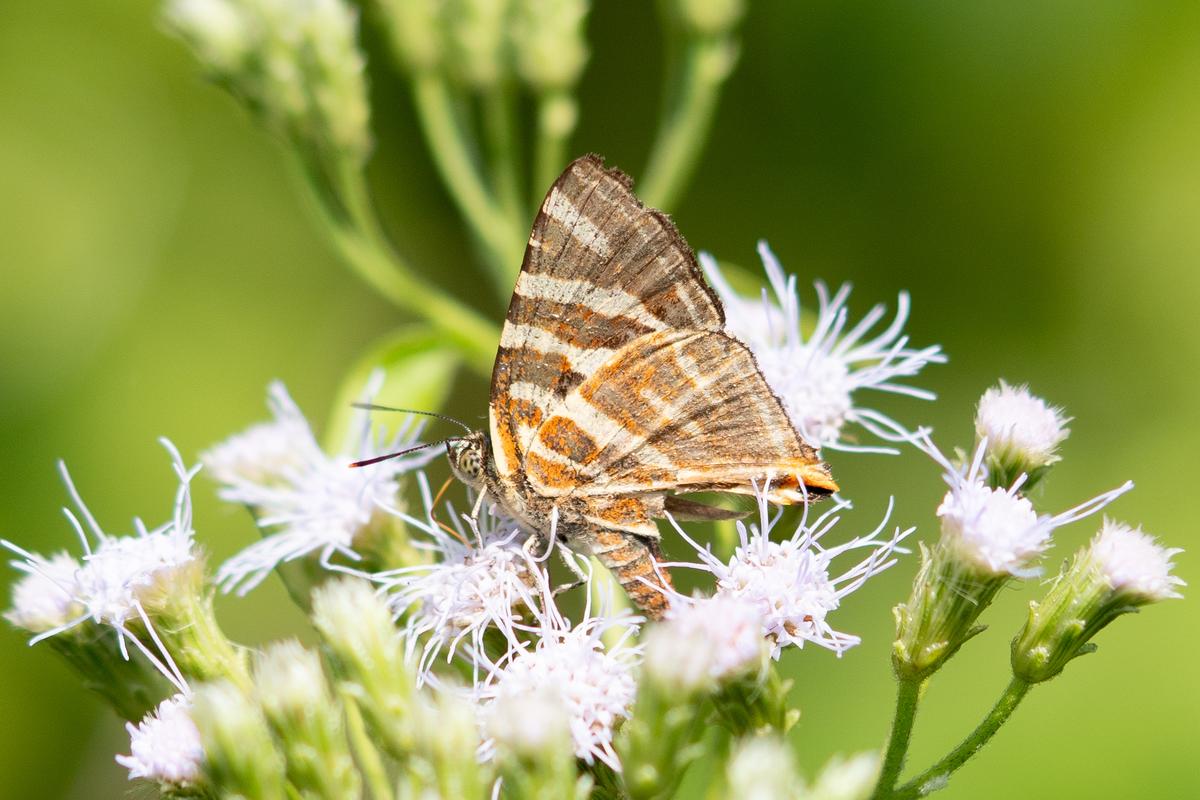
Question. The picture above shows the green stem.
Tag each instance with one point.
(366, 754)
(500, 126)
(350, 222)
(556, 117)
(908, 695)
(685, 126)
(936, 776)
(503, 240)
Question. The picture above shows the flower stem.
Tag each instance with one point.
(503, 155)
(685, 126)
(502, 238)
(345, 209)
(556, 115)
(368, 758)
(936, 776)
(908, 695)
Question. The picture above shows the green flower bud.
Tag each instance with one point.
(1121, 570)
(241, 758)
(548, 40)
(300, 709)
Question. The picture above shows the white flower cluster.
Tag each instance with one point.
(818, 376)
(996, 530)
(791, 582)
(1134, 564)
(115, 577)
(304, 499)
(165, 746)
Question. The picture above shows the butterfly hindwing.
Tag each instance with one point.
(672, 411)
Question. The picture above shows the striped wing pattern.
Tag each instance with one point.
(614, 379)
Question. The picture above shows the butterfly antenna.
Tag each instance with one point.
(374, 407)
(375, 460)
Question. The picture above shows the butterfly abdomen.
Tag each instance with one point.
(634, 560)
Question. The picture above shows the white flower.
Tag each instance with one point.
(762, 768)
(790, 581)
(478, 576)
(119, 573)
(528, 725)
(704, 640)
(817, 377)
(570, 664)
(1134, 564)
(997, 531)
(165, 745)
(45, 598)
(216, 29)
(304, 500)
(1020, 427)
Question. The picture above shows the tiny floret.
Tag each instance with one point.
(819, 376)
(165, 746)
(1134, 564)
(46, 597)
(791, 583)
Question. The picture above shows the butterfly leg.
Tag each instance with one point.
(568, 557)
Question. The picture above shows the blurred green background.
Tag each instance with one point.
(1031, 174)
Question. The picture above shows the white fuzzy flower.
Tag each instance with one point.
(165, 746)
(704, 640)
(45, 598)
(305, 500)
(528, 725)
(1021, 428)
(997, 531)
(119, 573)
(762, 768)
(478, 576)
(818, 377)
(216, 28)
(570, 664)
(1134, 564)
(790, 581)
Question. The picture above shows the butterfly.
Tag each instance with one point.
(616, 390)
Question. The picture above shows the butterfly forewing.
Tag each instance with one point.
(600, 271)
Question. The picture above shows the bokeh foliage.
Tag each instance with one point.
(1031, 174)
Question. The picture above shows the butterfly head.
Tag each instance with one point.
(468, 458)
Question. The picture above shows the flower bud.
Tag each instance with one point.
(703, 642)
(1121, 570)
(711, 17)
(763, 768)
(291, 689)
(242, 759)
(367, 656)
(296, 65)
(846, 779)
(548, 40)
(478, 35)
(415, 27)
(1022, 433)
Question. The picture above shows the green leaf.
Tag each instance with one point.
(419, 366)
